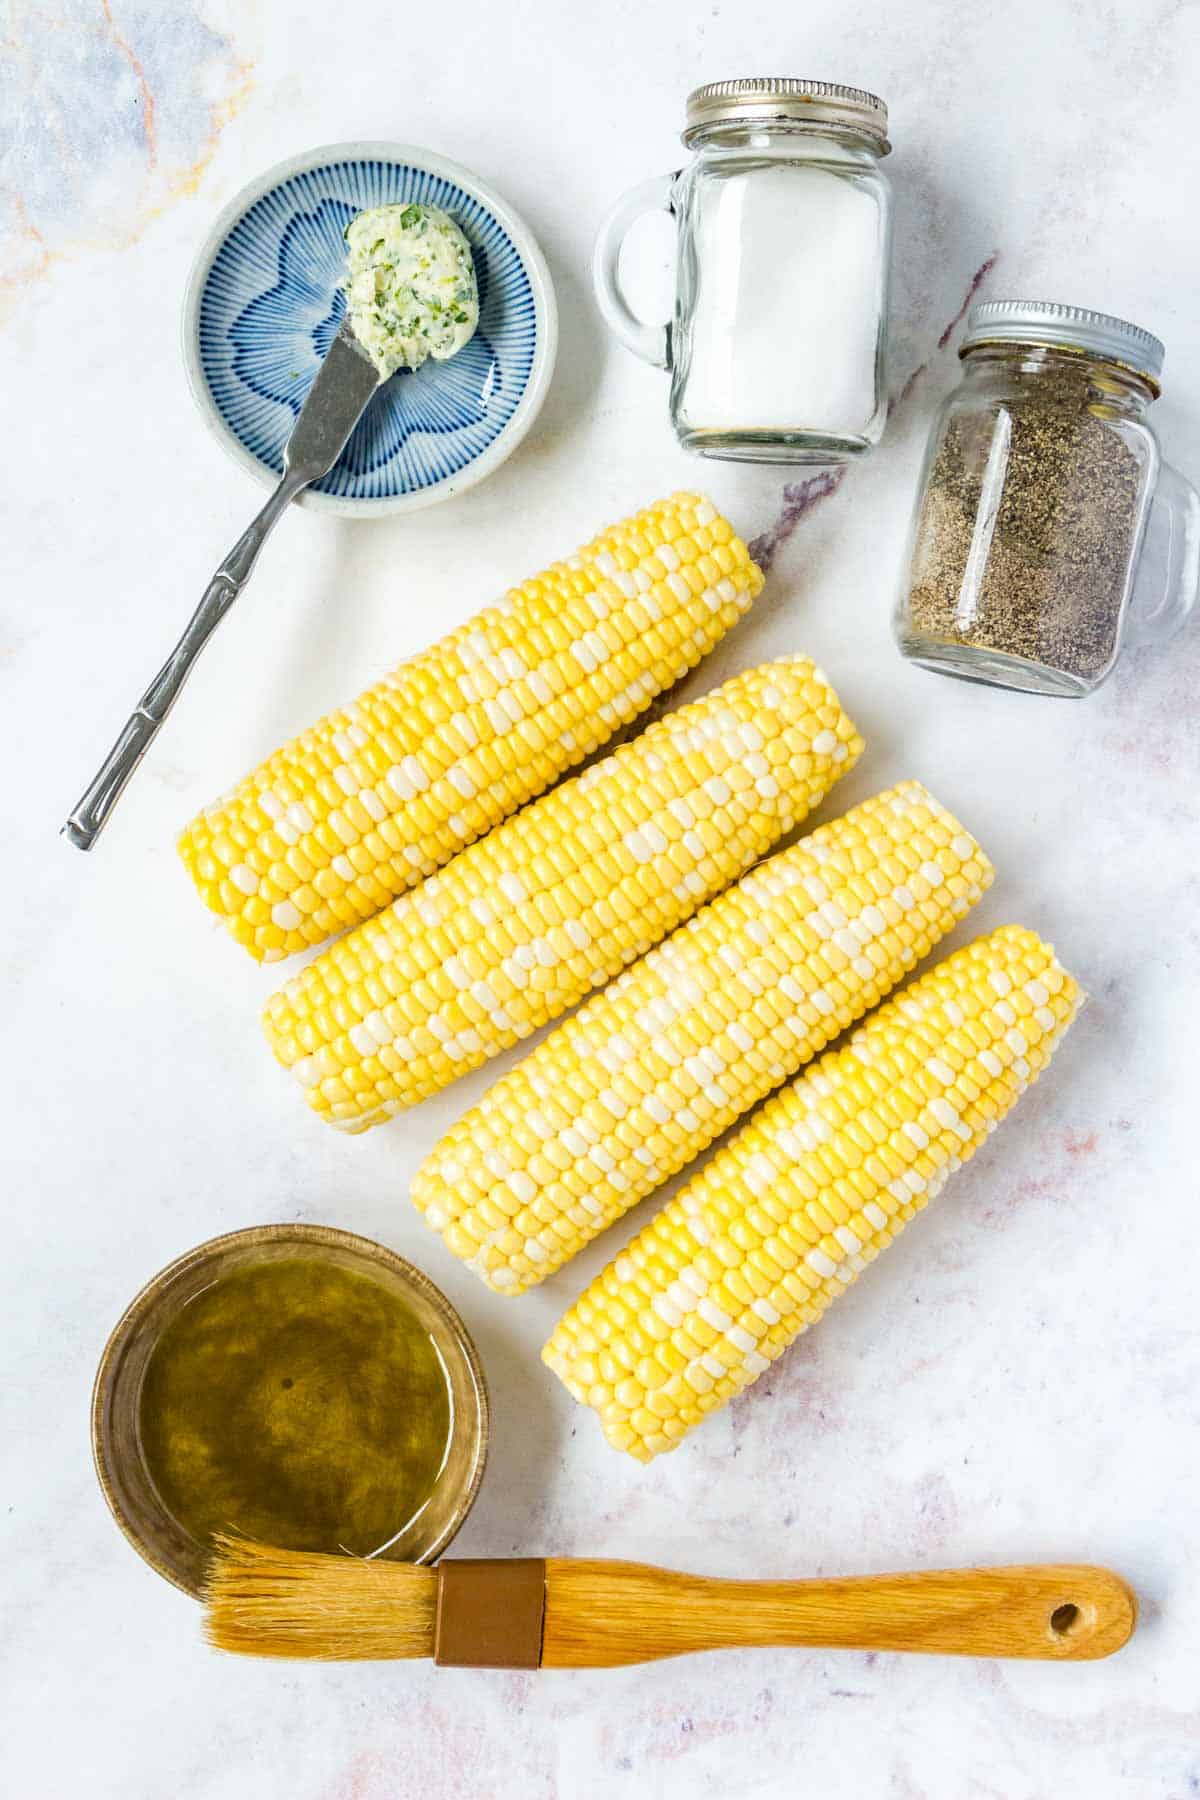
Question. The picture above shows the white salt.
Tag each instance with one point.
(790, 281)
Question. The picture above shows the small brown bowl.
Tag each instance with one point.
(116, 1399)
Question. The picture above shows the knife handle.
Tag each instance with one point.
(144, 723)
(603, 1614)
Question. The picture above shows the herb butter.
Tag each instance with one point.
(410, 286)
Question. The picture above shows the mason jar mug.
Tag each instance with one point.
(1048, 532)
(783, 217)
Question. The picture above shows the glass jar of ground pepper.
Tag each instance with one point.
(1049, 532)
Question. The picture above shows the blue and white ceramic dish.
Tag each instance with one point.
(264, 301)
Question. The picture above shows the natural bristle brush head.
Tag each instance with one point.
(261, 1601)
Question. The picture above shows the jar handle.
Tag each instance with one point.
(1168, 577)
(651, 342)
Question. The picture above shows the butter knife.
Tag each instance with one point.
(344, 384)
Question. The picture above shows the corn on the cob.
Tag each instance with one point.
(755, 1247)
(621, 1096)
(379, 794)
(521, 925)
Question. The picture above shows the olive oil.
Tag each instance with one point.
(299, 1403)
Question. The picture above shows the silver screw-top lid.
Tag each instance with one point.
(769, 99)
(1065, 328)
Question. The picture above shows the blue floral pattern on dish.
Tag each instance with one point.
(272, 302)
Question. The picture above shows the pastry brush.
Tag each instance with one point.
(558, 1613)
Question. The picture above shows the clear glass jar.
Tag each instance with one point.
(1048, 531)
(778, 343)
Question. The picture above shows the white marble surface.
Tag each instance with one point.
(1017, 1379)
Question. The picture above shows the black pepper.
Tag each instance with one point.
(1028, 529)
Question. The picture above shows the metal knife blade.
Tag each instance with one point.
(345, 382)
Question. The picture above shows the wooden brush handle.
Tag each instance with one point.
(601, 1614)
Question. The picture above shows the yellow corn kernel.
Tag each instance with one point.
(630, 811)
(379, 794)
(666, 1278)
(659, 1065)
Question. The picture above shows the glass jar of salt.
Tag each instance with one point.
(1049, 532)
(783, 217)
